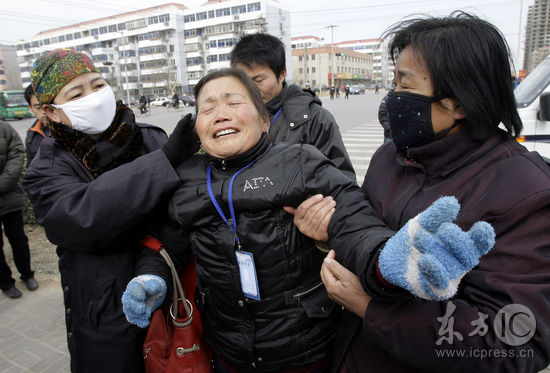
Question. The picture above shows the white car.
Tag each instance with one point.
(159, 101)
(533, 101)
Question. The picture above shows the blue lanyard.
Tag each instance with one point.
(233, 226)
(276, 115)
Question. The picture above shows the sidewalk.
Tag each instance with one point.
(32, 330)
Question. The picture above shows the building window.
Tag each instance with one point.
(137, 23)
(201, 16)
(164, 18)
(153, 20)
(213, 44)
(61, 38)
(211, 14)
(224, 43)
(67, 37)
(223, 12)
(313, 57)
(94, 32)
(103, 30)
(35, 43)
(194, 61)
(47, 41)
(254, 7)
(150, 50)
(192, 32)
(300, 70)
(121, 26)
(189, 18)
(224, 57)
(213, 58)
(238, 9)
(313, 69)
(128, 53)
(300, 58)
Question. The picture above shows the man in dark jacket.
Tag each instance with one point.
(296, 115)
(92, 185)
(39, 129)
(12, 158)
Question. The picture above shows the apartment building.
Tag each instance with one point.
(163, 49)
(9, 70)
(382, 65)
(213, 30)
(537, 34)
(315, 65)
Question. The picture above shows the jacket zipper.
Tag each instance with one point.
(308, 290)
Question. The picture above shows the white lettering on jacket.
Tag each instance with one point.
(257, 183)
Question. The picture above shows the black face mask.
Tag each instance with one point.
(410, 117)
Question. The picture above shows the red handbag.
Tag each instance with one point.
(174, 341)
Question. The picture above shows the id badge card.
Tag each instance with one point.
(249, 279)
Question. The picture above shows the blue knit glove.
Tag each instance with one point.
(143, 295)
(430, 255)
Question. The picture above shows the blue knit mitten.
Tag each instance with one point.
(430, 254)
(143, 295)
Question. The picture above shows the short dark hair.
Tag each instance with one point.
(260, 49)
(468, 60)
(29, 92)
(247, 82)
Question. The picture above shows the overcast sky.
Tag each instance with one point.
(356, 19)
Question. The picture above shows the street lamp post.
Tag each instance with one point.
(332, 53)
(125, 70)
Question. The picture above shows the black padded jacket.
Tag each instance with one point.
(293, 324)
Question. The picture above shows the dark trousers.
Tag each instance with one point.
(13, 227)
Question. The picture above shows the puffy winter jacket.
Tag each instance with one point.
(96, 223)
(302, 120)
(500, 182)
(12, 158)
(294, 322)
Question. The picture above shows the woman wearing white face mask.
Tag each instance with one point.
(92, 185)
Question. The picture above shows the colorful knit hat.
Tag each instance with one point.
(53, 70)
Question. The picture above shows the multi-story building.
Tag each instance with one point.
(382, 65)
(300, 42)
(212, 30)
(163, 49)
(315, 66)
(537, 34)
(9, 70)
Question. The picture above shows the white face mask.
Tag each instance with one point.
(92, 114)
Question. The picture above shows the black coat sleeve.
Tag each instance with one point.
(355, 232)
(85, 215)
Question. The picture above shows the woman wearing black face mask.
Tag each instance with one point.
(92, 185)
(453, 93)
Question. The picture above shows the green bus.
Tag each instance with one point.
(13, 105)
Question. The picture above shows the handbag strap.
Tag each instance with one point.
(155, 245)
